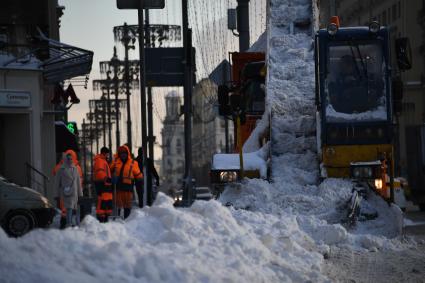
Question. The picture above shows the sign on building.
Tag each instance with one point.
(140, 4)
(15, 98)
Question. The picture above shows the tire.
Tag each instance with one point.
(19, 222)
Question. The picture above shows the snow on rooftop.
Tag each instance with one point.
(251, 161)
(25, 63)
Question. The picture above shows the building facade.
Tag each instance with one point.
(32, 62)
(404, 18)
(172, 133)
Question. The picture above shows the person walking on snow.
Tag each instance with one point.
(102, 184)
(68, 188)
(59, 200)
(126, 174)
(153, 171)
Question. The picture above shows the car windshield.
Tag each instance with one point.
(355, 83)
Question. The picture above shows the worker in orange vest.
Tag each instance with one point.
(102, 184)
(125, 174)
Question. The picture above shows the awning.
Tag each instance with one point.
(65, 61)
(58, 61)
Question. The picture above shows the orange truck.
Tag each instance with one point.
(243, 101)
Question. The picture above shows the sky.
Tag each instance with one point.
(89, 25)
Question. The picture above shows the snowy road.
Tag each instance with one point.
(406, 265)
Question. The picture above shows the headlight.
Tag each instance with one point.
(367, 172)
(332, 29)
(356, 172)
(228, 177)
(378, 184)
(374, 27)
(363, 172)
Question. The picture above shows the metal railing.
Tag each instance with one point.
(33, 182)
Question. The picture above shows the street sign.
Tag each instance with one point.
(72, 127)
(164, 66)
(140, 4)
(15, 98)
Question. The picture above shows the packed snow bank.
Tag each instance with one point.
(205, 243)
(296, 191)
(260, 130)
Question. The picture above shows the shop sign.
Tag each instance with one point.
(14, 98)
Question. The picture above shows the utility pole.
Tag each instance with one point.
(108, 89)
(151, 138)
(187, 46)
(96, 126)
(115, 64)
(104, 118)
(126, 41)
(226, 121)
(243, 24)
(84, 135)
(142, 84)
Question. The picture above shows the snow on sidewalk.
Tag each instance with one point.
(205, 243)
(278, 232)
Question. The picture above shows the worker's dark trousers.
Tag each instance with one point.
(140, 196)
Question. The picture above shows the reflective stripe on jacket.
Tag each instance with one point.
(130, 170)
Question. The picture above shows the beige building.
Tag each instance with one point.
(32, 61)
(172, 168)
(405, 18)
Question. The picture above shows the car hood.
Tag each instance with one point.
(14, 191)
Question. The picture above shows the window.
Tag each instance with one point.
(168, 146)
(394, 10)
(399, 9)
(356, 83)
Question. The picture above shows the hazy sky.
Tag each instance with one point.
(88, 24)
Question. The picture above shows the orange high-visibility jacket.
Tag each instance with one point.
(101, 170)
(130, 172)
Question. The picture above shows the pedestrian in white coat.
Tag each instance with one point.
(68, 187)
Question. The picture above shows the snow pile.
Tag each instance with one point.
(205, 243)
(272, 232)
(261, 128)
(295, 189)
